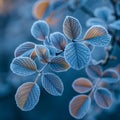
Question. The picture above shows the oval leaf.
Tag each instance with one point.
(97, 36)
(110, 76)
(79, 106)
(82, 85)
(43, 53)
(52, 84)
(77, 55)
(103, 98)
(94, 71)
(72, 28)
(58, 64)
(27, 96)
(40, 30)
(23, 66)
(58, 40)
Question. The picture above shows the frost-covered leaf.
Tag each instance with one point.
(110, 76)
(103, 98)
(52, 50)
(40, 30)
(24, 49)
(58, 64)
(82, 85)
(94, 71)
(23, 66)
(52, 84)
(72, 28)
(33, 55)
(97, 36)
(77, 55)
(115, 25)
(27, 96)
(43, 53)
(58, 40)
(79, 106)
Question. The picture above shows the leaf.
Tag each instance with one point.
(33, 55)
(27, 96)
(43, 53)
(24, 49)
(40, 9)
(72, 28)
(23, 66)
(94, 71)
(110, 76)
(79, 106)
(52, 84)
(97, 36)
(58, 64)
(103, 98)
(58, 40)
(118, 8)
(115, 25)
(82, 85)
(77, 55)
(40, 30)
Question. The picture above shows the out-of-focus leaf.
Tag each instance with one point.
(24, 49)
(77, 55)
(91, 47)
(110, 76)
(82, 85)
(118, 69)
(23, 66)
(79, 106)
(118, 7)
(72, 28)
(58, 40)
(97, 36)
(94, 71)
(59, 64)
(40, 30)
(43, 53)
(115, 25)
(52, 84)
(27, 96)
(103, 98)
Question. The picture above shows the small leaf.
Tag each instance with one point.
(52, 84)
(77, 55)
(43, 53)
(23, 66)
(94, 71)
(97, 36)
(115, 25)
(27, 96)
(103, 98)
(58, 64)
(58, 40)
(82, 85)
(33, 55)
(40, 30)
(79, 106)
(72, 28)
(24, 49)
(110, 76)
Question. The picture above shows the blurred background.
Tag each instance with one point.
(16, 19)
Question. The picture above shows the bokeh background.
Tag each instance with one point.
(16, 18)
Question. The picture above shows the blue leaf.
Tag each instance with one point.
(27, 96)
(97, 36)
(77, 55)
(23, 66)
(115, 25)
(79, 106)
(40, 30)
(118, 8)
(72, 28)
(58, 40)
(110, 76)
(52, 50)
(82, 85)
(58, 64)
(103, 98)
(43, 53)
(52, 84)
